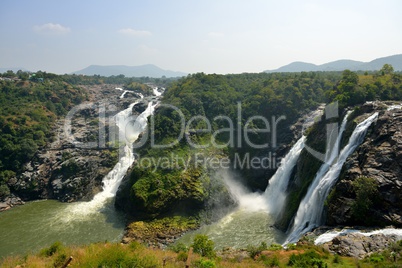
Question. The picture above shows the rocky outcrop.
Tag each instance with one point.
(9, 202)
(358, 245)
(140, 107)
(378, 158)
(72, 167)
(158, 233)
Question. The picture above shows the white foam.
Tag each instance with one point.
(328, 236)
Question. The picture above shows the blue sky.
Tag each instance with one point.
(208, 36)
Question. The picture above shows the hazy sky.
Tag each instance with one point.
(219, 36)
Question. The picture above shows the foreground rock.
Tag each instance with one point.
(160, 232)
(360, 246)
(10, 202)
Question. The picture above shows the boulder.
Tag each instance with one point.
(358, 245)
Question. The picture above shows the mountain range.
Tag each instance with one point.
(149, 70)
(340, 65)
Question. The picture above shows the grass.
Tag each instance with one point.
(138, 255)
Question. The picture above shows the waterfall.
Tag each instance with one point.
(309, 214)
(328, 236)
(156, 91)
(123, 94)
(275, 194)
(129, 130)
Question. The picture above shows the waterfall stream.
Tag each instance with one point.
(44, 222)
(41, 223)
(309, 214)
(275, 194)
(129, 130)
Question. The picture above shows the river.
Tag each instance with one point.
(38, 224)
(238, 230)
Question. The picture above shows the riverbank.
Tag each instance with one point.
(302, 254)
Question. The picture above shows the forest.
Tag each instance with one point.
(198, 96)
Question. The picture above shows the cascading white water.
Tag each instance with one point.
(246, 200)
(328, 236)
(123, 94)
(275, 194)
(129, 130)
(309, 214)
(156, 91)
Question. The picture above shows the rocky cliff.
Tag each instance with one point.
(369, 190)
(71, 168)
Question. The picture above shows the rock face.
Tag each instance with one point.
(379, 158)
(72, 167)
(140, 107)
(358, 245)
(9, 202)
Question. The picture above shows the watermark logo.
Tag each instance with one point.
(123, 128)
(333, 136)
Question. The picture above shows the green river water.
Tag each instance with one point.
(238, 230)
(38, 224)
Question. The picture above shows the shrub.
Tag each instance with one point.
(182, 256)
(4, 190)
(202, 263)
(366, 191)
(60, 260)
(308, 259)
(114, 255)
(135, 245)
(275, 247)
(376, 258)
(253, 251)
(179, 247)
(270, 261)
(56, 247)
(203, 246)
(337, 259)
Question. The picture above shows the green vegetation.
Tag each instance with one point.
(309, 259)
(366, 192)
(28, 111)
(157, 188)
(114, 79)
(150, 231)
(354, 89)
(203, 246)
(254, 251)
(138, 255)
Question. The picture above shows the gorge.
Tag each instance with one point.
(234, 207)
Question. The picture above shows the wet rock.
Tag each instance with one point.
(72, 167)
(140, 107)
(10, 202)
(378, 157)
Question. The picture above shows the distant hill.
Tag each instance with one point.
(340, 65)
(129, 71)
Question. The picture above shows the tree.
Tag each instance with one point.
(366, 192)
(203, 246)
(9, 74)
(387, 69)
(347, 88)
(22, 75)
